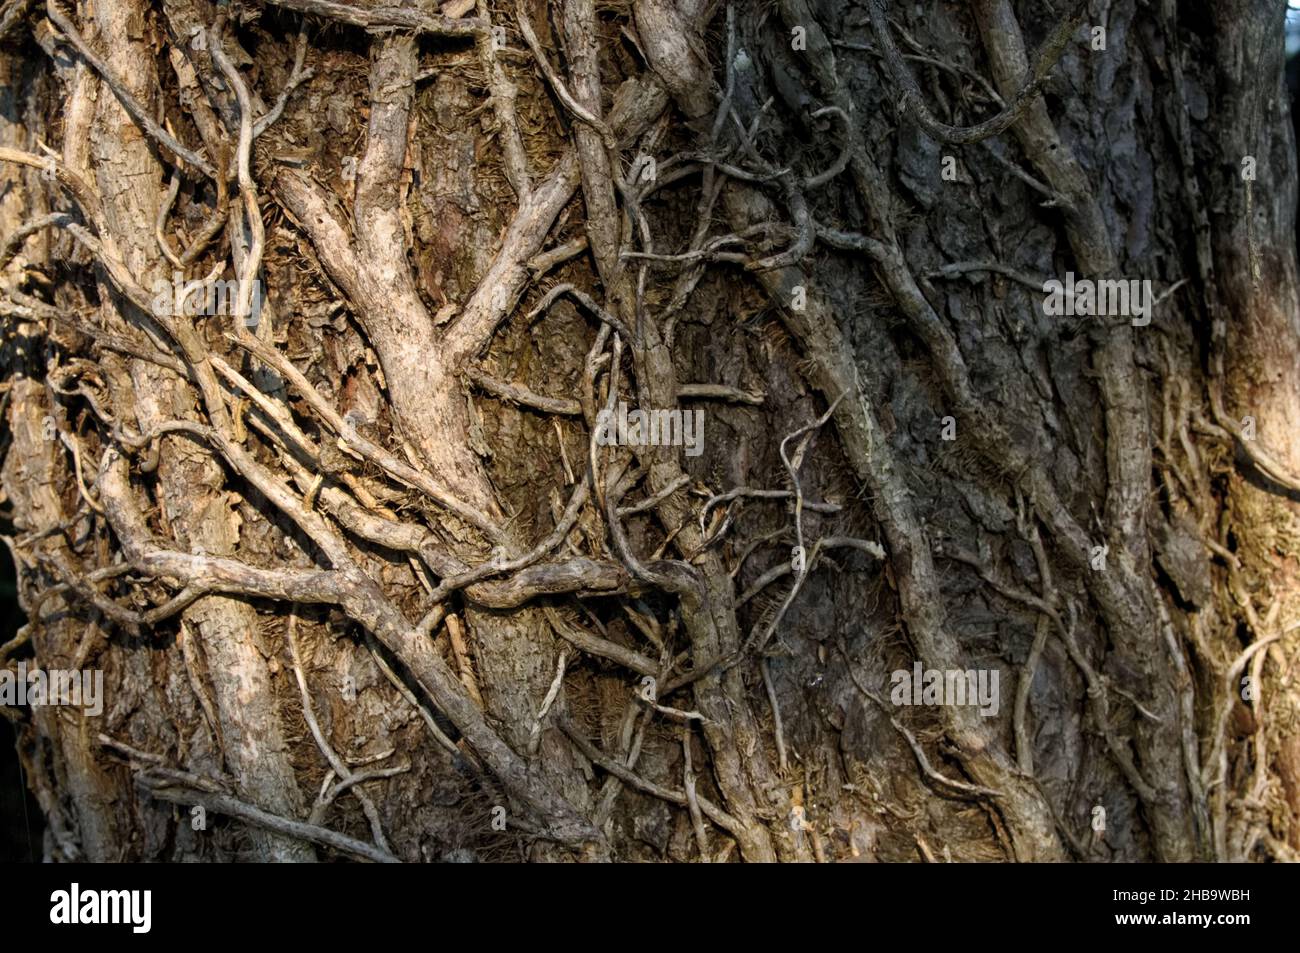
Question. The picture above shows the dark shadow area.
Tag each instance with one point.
(1293, 80)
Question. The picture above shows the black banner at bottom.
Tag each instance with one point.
(335, 902)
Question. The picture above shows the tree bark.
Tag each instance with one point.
(369, 573)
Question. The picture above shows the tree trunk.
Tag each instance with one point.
(968, 526)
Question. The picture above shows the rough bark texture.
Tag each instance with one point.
(364, 583)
